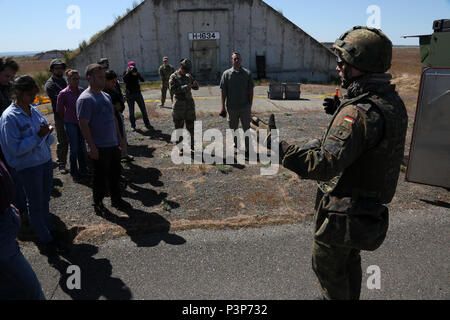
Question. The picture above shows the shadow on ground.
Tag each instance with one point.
(140, 223)
(56, 189)
(441, 204)
(156, 135)
(96, 273)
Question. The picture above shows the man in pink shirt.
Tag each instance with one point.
(66, 108)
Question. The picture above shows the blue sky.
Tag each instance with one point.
(31, 25)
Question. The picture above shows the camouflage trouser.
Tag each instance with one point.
(62, 147)
(338, 270)
(164, 88)
(184, 113)
(344, 227)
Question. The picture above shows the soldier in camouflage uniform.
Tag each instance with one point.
(165, 71)
(54, 85)
(357, 162)
(180, 84)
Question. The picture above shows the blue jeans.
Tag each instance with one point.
(131, 99)
(38, 183)
(77, 149)
(20, 201)
(17, 279)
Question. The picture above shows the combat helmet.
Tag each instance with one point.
(186, 64)
(366, 49)
(57, 62)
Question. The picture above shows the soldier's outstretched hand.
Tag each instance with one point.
(331, 105)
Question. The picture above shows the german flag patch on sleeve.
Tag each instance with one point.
(350, 119)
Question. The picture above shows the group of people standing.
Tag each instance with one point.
(356, 163)
(90, 121)
(82, 116)
(64, 97)
(26, 174)
(237, 89)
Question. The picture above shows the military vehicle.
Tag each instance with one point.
(429, 159)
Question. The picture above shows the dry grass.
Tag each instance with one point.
(38, 69)
(320, 89)
(406, 70)
(30, 66)
(104, 232)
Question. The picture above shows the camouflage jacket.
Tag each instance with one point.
(179, 86)
(357, 163)
(165, 72)
(53, 87)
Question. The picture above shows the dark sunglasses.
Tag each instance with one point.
(340, 62)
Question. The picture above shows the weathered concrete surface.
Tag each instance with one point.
(208, 99)
(268, 263)
(161, 28)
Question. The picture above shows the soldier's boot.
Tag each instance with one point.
(179, 124)
(180, 148)
(190, 128)
(163, 97)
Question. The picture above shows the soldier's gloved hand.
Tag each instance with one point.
(313, 144)
(331, 105)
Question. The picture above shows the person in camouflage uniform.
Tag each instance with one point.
(181, 83)
(54, 85)
(356, 163)
(165, 71)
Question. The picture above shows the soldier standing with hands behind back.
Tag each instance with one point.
(165, 71)
(180, 84)
(237, 91)
(356, 164)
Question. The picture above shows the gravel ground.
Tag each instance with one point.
(166, 196)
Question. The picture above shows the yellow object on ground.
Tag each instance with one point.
(41, 100)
